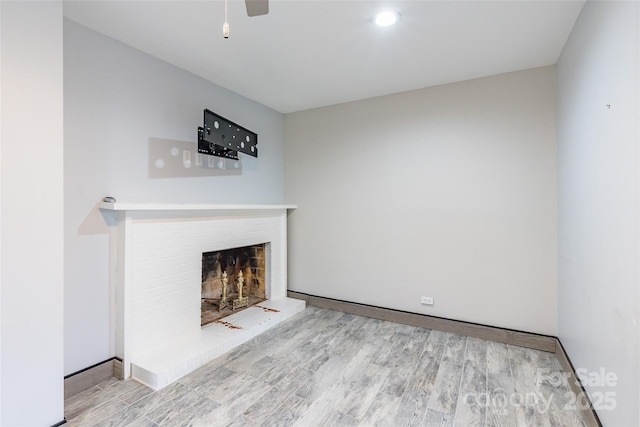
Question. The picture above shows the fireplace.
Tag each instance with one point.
(232, 280)
(156, 273)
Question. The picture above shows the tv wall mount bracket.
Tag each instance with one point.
(221, 137)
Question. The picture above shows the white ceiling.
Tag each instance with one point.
(312, 53)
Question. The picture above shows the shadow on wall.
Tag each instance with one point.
(96, 222)
(179, 159)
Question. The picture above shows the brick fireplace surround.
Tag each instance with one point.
(155, 273)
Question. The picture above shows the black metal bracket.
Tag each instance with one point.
(219, 134)
(212, 149)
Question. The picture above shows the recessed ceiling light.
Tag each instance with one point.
(386, 18)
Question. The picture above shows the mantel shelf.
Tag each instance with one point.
(118, 206)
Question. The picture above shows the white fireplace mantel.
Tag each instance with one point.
(119, 206)
(155, 272)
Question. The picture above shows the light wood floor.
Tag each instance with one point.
(326, 368)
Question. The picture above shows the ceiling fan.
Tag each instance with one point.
(254, 8)
(257, 7)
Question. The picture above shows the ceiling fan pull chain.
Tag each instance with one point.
(225, 26)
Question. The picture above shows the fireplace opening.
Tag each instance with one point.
(232, 280)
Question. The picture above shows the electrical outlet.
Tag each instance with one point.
(426, 300)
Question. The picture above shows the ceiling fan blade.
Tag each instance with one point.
(257, 7)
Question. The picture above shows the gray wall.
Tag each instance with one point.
(447, 192)
(31, 214)
(118, 102)
(598, 294)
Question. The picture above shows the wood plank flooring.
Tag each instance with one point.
(327, 368)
